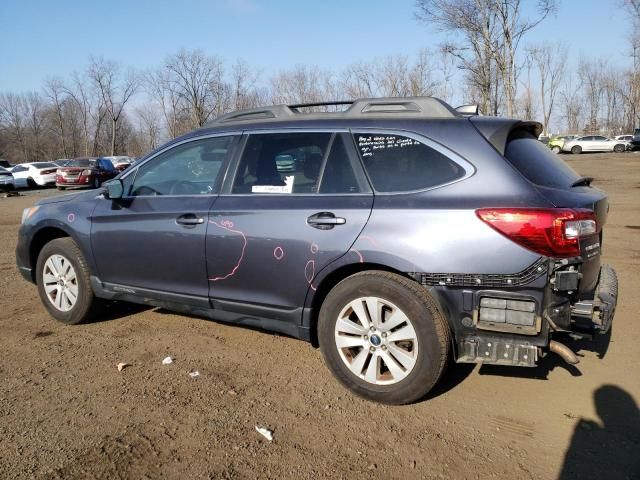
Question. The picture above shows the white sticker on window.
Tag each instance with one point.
(286, 188)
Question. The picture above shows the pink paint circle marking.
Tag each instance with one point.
(71, 217)
(314, 248)
(310, 271)
(227, 223)
(278, 253)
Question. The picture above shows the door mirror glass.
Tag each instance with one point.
(115, 189)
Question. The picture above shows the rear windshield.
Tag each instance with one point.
(44, 165)
(81, 163)
(537, 162)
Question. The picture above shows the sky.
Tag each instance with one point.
(46, 38)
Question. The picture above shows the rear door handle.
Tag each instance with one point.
(325, 220)
(189, 220)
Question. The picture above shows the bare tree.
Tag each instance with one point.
(491, 32)
(115, 88)
(550, 61)
(511, 28)
(302, 84)
(55, 91)
(162, 89)
(198, 80)
(591, 76)
(633, 6)
(475, 22)
(244, 90)
(12, 114)
(149, 126)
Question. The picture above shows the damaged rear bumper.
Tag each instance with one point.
(599, 311)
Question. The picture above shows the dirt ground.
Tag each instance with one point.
(66, 411)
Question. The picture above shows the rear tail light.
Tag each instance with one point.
(553, 232)
(86, 172)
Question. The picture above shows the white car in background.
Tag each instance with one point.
(626, 139)
(594, 143)
(7, 183)
(34, 174)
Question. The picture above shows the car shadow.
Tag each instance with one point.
(454, 375)
(115, 310)
(609, 448)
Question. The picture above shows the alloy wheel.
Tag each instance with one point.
(60, 282)
(376, 340)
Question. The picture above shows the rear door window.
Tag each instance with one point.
(537, 163)
(297, 163)
(397, 163)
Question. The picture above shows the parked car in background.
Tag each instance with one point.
(122, 163)
(61, 162)
(35, 174)
(384, 244)
(593, 143)
(5, 163)
(626, 139)
(6, 180)
(556, 143)
(85, 172)
(635, 140)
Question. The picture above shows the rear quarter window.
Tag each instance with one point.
(396, 163)
(537, 163)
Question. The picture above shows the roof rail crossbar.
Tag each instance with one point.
(418, 106)
(261, 113)
(413, 107)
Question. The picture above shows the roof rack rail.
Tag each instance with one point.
(321, 104)
(468, 110)
(424, 107)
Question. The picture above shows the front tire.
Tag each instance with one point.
(619, 148)
(384, 337)
(556, 150)
(576, 149)
(64, 285)
(96, 182)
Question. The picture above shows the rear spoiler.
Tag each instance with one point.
(497, 130)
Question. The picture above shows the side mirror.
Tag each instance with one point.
(115, 189)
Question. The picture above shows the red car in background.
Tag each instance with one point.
(85, 172)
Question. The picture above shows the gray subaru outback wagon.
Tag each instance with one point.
(395, 234)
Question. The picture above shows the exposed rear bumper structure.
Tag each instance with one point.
(601, 309)
(511, 329)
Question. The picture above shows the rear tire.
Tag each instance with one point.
(383, 337)
(62, 273)
(619, 148)
(96, 182)
(31, 183)
(60, 188)
(576, 149)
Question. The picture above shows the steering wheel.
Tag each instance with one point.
(145, 190)
(183, 187)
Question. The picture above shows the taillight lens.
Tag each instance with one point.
(553, 232)
(85, 172)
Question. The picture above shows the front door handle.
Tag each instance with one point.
(325, 220)
(189, 220)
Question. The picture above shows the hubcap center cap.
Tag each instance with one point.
(375, 340)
